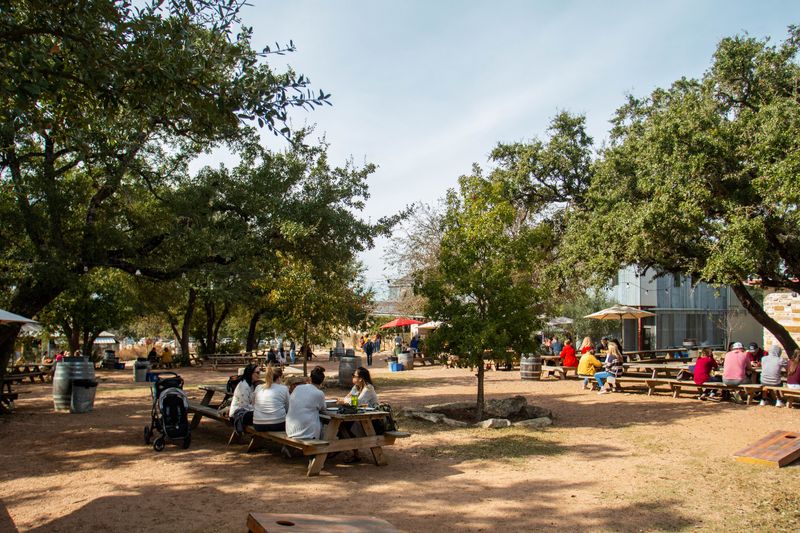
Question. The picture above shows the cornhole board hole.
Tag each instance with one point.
(272, 523)
(777, 449)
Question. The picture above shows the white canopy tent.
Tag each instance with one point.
(7, 317)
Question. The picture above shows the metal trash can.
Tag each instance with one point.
(140, 370)
(83, 391)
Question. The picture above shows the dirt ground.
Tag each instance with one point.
(618, 462)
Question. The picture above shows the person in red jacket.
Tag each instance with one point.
(568, 354)
(703, 367)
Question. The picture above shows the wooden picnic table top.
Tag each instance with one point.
(216, 388)
(362, 414)
(667, 364)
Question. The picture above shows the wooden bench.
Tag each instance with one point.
(424, 360)
(749, 389)
(201, 410)
(559, 372)
(788, 396)
(637, 382)
(318, 450)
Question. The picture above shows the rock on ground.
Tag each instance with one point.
(534, 422)
(513, 407)
(494, 423)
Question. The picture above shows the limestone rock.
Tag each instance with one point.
(533, 411)
(430, 417)
(494, 423)
(534, 422)
(455, 423)
(452, 406)
(507, 407)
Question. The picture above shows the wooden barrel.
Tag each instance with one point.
(68, 370)
(347, 366)
(407, 360)
(530, 367)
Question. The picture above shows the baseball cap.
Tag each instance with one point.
(752, 347)
(737, 346)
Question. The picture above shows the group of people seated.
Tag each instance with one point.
(588, 366)
(164, 360)
(587, 360)
(269, 405)
(741, 366)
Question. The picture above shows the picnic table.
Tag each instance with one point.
(19, 373)
(317, 449)
(330, 442)
(667, 369)
(206, 408)
(235, 360)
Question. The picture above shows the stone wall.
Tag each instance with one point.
(784, 307)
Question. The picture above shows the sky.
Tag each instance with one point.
(424, 89)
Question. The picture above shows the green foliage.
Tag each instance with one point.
(701, 178)
(484, 285)
(102, 106)
(102, 300)
(313, 302)
(581, 303)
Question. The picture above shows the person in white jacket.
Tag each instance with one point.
(306, 403)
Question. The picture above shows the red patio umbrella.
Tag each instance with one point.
(400, 322)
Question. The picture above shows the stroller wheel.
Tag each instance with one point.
(147, 435)
(159, 443)
(187, 441)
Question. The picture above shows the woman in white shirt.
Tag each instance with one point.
(243, 393)
(367, 397)
(362, 389)
(271, 402)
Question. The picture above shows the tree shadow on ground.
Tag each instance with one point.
(526, 506)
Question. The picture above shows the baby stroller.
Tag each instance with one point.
(169, 420)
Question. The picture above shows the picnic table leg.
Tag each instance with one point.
(377, 451)
(197, 416)
(318, 461)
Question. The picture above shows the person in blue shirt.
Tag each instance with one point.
(556, 346)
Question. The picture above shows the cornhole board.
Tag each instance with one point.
(777, 449)
(272, 523)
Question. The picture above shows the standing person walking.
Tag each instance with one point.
(377, 346)
(368, 348)
(292, 353)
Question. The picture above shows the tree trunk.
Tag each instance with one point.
(210, 345)
(8, 336)
(87, 347)
(219, 322)
(757, 311)
(479, 406)
(73, 334)
(305, 351)
(252, 342)
(182, 336)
